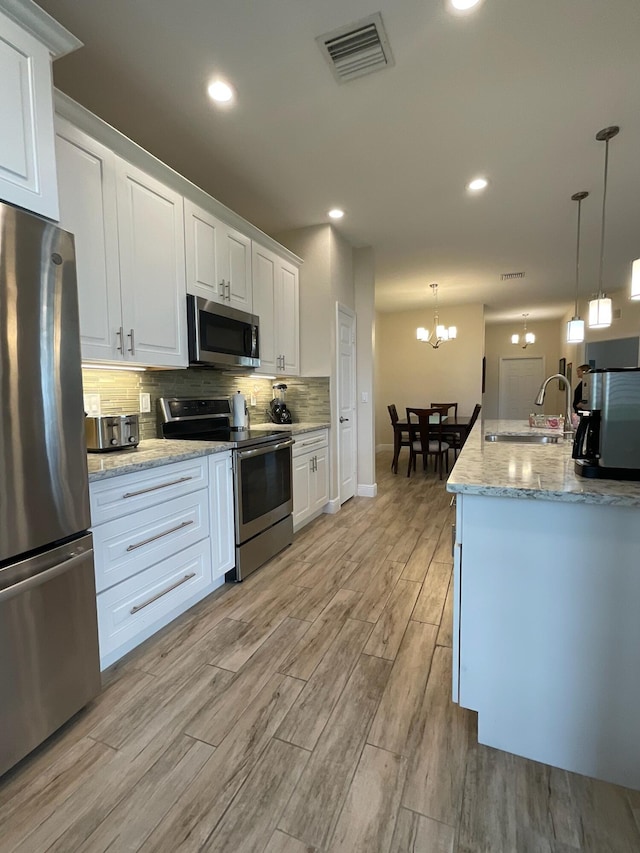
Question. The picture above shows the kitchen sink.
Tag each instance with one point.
(523, 439)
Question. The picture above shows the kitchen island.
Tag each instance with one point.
(547, 591)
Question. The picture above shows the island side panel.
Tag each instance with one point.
(550, 632)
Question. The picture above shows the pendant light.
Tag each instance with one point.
(601, 308)
(527, 337)
(575, 326)
(440, 334)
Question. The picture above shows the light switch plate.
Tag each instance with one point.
(145, 402)
(92, 405)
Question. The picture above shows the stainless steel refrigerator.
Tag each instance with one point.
(49, 664)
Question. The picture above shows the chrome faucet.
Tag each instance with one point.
(568, 427)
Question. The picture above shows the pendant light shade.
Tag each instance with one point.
(635, 280)
(575, 326)
(575, 331)
(601, 308)
(600, 313)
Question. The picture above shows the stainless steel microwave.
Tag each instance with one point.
(220, 336)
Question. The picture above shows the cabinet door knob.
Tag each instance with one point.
(342, 420)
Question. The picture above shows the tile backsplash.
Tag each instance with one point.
(119, 390)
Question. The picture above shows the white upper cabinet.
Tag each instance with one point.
(152, 269)
(129, 240)
(87, 187)
(218, 259)
(27, 150)
(275, 301)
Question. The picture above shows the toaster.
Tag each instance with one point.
(111, 432)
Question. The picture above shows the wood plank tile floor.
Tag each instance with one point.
(307, 710)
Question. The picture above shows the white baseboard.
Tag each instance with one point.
(380, 447)
(332, 507)
(368, 490)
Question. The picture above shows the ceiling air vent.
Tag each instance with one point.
(357, 49)
(509, 276)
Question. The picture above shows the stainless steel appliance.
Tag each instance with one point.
(220, 336)
(278, 410)
(49, 665)
(111, 432)
(262, 476)
(607, 441)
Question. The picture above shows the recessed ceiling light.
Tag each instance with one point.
(463, 5)
(336, 213)
(477, 184)
(220, 92)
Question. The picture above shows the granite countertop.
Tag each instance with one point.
(294, 429)
(533, 471)
(150, 453)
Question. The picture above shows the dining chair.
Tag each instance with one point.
(397, 445)
(447, 406)
(426, 438)
(452, 438)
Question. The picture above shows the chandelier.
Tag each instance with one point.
(439, 334)
(527, 337)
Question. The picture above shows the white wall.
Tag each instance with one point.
(364, 277)
(498, 345)
(411, 373)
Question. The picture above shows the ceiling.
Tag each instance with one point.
(515, 91)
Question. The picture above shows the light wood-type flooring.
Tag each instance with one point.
(308, 709)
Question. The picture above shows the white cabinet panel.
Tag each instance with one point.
(275, 300)
(235, 256)
(127, 545)
(152, 273)
(27, 153)
(310, 476)
(301, 489)
(129, 493)
(264, 305)
(86, 173)
(218, 259)
(221, 510)
(133, 610)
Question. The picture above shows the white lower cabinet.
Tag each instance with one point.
(223, 553)
(163, 539)
(310, 476)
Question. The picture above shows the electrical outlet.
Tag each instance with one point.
(92, 405)
(145, 402)
(253, 400)
(364, 397)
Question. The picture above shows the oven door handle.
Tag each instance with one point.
(260, 451)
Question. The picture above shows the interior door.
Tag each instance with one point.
(520, 381)
(346, 402)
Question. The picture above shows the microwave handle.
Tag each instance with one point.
(251, 341)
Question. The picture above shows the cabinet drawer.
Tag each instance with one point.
(129, 493)
(309, 441)
(135, 605)
(125, 546)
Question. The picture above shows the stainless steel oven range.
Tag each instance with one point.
(262, 480)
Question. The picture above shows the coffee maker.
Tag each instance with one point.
(278, 411)
(607, 441)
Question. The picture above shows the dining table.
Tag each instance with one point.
(458, 424)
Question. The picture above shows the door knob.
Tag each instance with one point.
(342, 420)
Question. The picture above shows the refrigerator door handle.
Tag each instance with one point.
(42, 577)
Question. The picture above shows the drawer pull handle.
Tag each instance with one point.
(312, 441)
(155, 488)
(164, 592)
(159, 535)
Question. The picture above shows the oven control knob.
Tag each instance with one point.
(132, 438)
(113, 441)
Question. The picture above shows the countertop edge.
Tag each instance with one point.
(162, 452)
